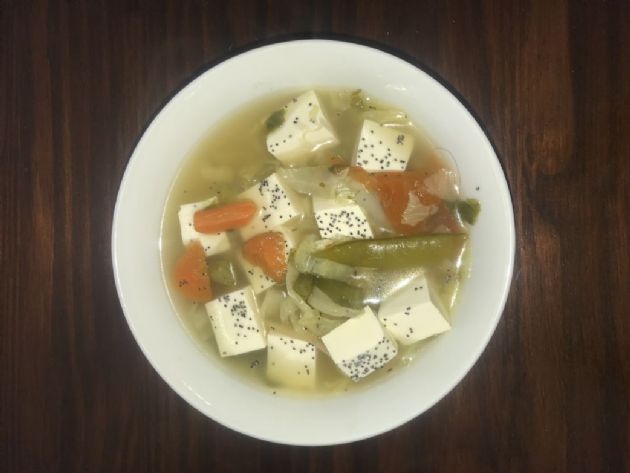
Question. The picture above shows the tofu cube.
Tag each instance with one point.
(213, 243)
(236, 323)
(305, 129)
(277, 205)
(290, 361)
(340, 219)
(360, 346)
(412, 313)
(382, 149)
(259, 281)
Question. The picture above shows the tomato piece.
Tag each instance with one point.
(394, 189)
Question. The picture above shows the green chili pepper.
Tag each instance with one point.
(341, 293)
(222, 272)
(397, 252)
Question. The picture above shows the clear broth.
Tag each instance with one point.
(231, 158)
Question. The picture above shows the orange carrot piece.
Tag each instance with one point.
(267, 251)
(224, 217)
(191, 274)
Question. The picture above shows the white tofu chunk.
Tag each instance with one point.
(212, 243)
(277, 205)
(290, 361)
(412, 313)
(335, 219)
(259, 281)
(360, 346)
(305, 129)
(236, 323)
(382, 149)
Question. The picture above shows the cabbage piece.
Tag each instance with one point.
(321, 301)
(289, 313)
(379, 112)
(299, 313)
(415, 211)
(272, 301)
(444, 183)
(291, 277)
(320, 181)
(392, 118)
(317, 325)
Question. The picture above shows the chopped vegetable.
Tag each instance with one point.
(443, 183)
(292, 276)
(268, 251)
(272, 301)
(468, 210)
(359, 101)
(304, 285)
(395, 190)
(388, 117)
(373, 110)
(303, 316)
(224, 217)
(416, 211)
(222, 272)
(305, 262)
(322, 302)
(275, 120)
(341, 293)
(309, 180)
(396, 252)
(191, 274)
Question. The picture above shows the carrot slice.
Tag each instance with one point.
(394, 189)
(267, 251)
(224, 217)
(191, 274)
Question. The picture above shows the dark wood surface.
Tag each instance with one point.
(550, 82)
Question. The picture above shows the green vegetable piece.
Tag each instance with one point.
(468, 210)
(303, 285)
(360, 101)
(397, 252)
(341, 293)
(222, 272)
(275, 120)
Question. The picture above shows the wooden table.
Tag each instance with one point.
(550, 82)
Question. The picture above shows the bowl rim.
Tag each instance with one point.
(472, 358)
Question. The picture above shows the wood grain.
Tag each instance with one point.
(549, 81)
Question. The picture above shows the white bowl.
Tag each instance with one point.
(206, 385)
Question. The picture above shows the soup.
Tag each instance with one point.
(315, 241)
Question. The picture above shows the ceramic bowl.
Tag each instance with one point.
(156, 159)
